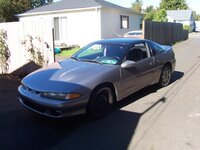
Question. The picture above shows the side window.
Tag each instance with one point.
(156, 48)
(137, 52)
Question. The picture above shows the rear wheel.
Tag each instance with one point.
(100, 102)
(165, 76)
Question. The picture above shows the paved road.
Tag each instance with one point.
(152, 119)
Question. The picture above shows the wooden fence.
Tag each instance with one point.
(22, 37)
(164, 32)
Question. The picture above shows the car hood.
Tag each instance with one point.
(69, 75)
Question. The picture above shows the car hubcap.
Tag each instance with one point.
(166, 75)
(102, 100)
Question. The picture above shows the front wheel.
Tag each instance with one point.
(165, 76)
(100, 103)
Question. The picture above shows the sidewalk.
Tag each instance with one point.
(174, 124)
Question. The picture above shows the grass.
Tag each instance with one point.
(68, 53)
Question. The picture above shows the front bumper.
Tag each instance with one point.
(51, 107)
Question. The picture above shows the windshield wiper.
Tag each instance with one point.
(74, 58)
(93, 61)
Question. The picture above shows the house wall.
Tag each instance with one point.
(184, 22)
(82, 27)
(188, 23)
(197, 26)
(110, 23)
(170, 19)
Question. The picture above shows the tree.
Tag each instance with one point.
(10, 8)
(149, 9)
(6, 14)
(161, 16)
(149, 13)
(38, 3)
(137, 6)
(196, 16)
(173, 4)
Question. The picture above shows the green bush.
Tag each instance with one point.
(187, 27)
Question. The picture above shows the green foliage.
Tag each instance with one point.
(161, 16)
(137, 6)
(6, 12)
(38, 3)
(187, 27)
(196, 16)
(68, 53)
(10, 8)
(149, 9)
(149, 13)
(173, 4)
(34, 47)
(4, 52)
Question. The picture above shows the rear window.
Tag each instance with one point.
(156, 48)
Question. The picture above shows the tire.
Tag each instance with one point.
(100, 103)
(165, 76)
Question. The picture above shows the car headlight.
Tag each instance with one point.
(24, 86)
(61, 96)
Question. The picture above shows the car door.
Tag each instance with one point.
(157, 54)
(141, 73)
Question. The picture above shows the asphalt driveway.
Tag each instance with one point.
(151, 119)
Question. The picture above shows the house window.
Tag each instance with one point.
(124, 21)
(60, 28)
(56, 29)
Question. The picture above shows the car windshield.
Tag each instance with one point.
(112, 54)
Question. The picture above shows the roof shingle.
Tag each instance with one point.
(73, 4)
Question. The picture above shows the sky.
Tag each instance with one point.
(193, 4)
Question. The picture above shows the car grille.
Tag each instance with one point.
(32, 104)
(39, 108)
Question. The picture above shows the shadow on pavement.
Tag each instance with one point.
(177, 75)
(23, 129)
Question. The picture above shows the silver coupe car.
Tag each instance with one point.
(97, 76)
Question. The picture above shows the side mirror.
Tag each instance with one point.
(128, 64)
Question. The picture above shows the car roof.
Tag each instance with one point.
(127, 41)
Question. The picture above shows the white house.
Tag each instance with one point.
(80, 22)
(197, 26)
(181, 16)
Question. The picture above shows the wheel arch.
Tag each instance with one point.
(111, 86)
(167, 63)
